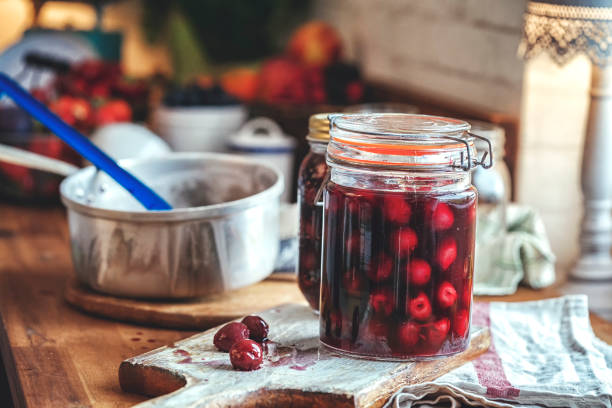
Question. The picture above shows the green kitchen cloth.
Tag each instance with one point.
(521, 255)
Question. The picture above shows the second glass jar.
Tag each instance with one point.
(310, 178)
(398, 236)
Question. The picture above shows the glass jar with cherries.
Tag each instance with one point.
(398, 236)
(310, 178)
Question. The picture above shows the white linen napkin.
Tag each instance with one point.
(543, 353)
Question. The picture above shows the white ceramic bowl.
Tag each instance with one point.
(129, 140)
(198, 128)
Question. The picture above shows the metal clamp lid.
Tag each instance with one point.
(404, 141)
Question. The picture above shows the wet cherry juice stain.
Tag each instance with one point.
(276, 355)
(182, 352)
(294, 358)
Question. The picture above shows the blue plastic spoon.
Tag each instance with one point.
(147, 197)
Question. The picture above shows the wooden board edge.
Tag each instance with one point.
(285, 398)
(93, 304)
(262, 398)
(377, 395)
(119, 312)
(148, 380)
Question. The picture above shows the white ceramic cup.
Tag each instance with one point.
(262, 139)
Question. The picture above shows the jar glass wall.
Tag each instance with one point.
(493, 184)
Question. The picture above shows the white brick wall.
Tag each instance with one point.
(460, 50)
(466, 51)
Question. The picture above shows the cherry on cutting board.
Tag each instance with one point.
(229, 334)
(258, 328)
(246, 355)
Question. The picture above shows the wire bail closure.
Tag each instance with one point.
(477, 162)
(318, 199)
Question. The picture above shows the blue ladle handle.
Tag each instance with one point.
(147, 197)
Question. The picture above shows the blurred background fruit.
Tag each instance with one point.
(242, 83)
(23, 185)
(315, 43)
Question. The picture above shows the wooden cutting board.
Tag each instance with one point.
(298, 374)
(194, 314)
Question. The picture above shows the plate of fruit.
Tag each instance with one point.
(89, 95)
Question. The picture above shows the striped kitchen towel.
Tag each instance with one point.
(543, 354)
(520, 255)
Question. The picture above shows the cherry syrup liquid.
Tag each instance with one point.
(397, 272)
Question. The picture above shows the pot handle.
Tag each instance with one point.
(36, 161)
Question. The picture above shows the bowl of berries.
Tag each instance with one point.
(198, 118)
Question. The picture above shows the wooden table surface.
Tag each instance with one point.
(54, 355)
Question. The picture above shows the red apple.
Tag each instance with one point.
(282, 81)
(315, 43)
(73, 111)
(241, 83)
(112, 112)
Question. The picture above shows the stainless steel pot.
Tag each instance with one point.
(222, 234)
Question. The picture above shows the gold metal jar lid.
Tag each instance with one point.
(318, 127)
